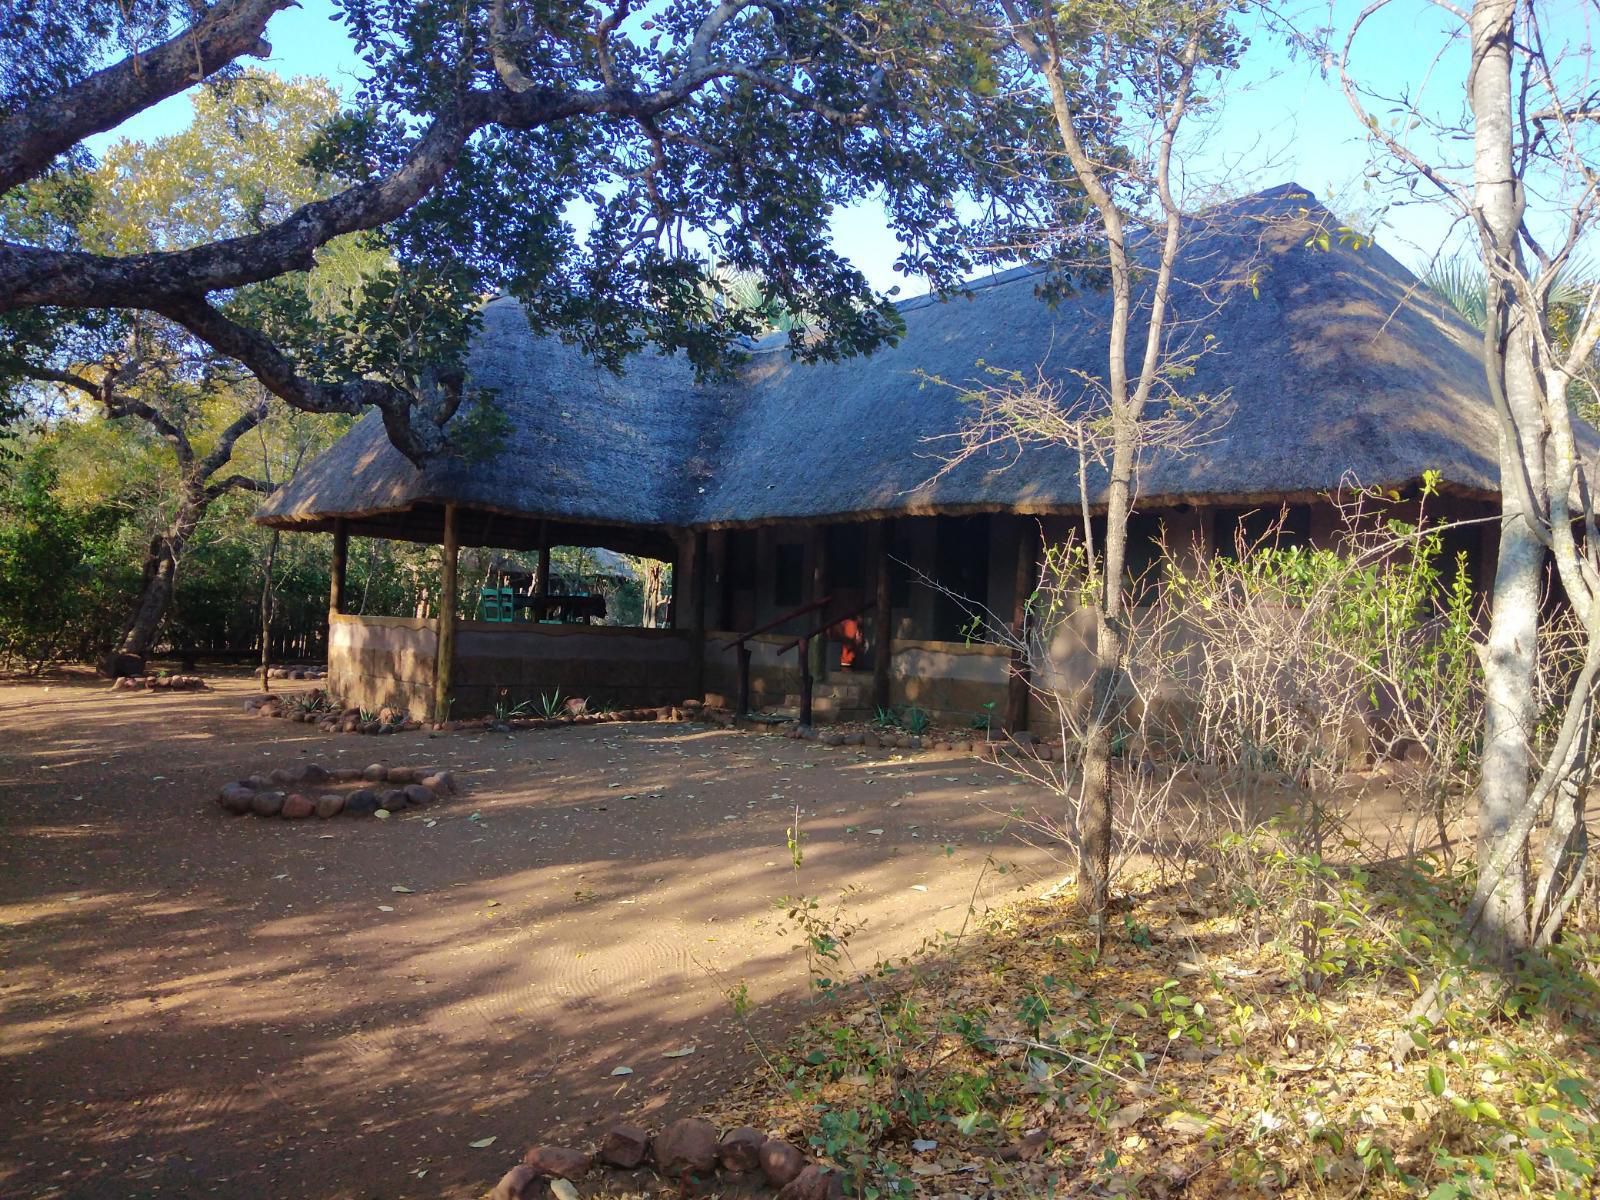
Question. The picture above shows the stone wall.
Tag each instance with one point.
(375, 662)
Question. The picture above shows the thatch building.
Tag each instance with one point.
(819, 487)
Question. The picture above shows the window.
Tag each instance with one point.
(961, 557)
(1279, 526)
(742, 551)
(847, 550)
(1142, 560)
(789, 584)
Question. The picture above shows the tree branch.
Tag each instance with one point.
(276, 371)
(33, 134)
(236, 483)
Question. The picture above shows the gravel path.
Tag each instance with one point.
(193, 1004)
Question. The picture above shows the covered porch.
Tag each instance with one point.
(442, 665)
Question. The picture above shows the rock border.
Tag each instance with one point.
(291, 792)
(160, 683)
(297, 672)
(687, 1152)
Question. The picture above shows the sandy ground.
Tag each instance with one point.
(193, 1004)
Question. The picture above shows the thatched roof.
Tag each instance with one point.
(1334, 363)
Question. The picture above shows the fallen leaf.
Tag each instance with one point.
(483, 1143)
(680, 1052)
(622, 1070)
(919, 887)
(402, 890)
(923, 1145)
(385, 908)
(562, 1189)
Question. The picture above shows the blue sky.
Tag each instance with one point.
(1281, 120)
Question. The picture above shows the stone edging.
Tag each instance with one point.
(686, 1152)
(262, 795)
(160, 683)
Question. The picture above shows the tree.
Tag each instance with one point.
(699, 135)
(236, 166)
(1119, 83)
(1530, 195)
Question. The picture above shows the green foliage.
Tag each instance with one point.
(53, 595)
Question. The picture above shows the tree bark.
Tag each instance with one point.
(1510, 653)
(266, 610)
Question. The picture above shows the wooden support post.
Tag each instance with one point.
(743, 709)
(819, 589)
(696, 601)
(882, 613)
(1027, 579)
(805, 683)
(341, 555)
(444, 665)
(542, 588)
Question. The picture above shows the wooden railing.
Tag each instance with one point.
(741, 644)
(804, 643)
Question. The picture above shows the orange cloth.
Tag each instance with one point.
(850, 642)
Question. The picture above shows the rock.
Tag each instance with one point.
(416, 793)
(267, 804)
(375, 773)
(1023, 738)
(740, 1149)
(258, 781)
(236, 798)
(519, 1183)
(441, 783)
(687, 1147)
(814, 1183)
(561, 1162)
(400, 775)
(280, 776)
(361, 802)
(314, 774)
(833, 739)
(854, 739)
(395, 800)
(624, 1146)
(350, 725)
(1027, 1148)
(330, 804)
(781, 1161)
(298, 806)
(346, 774)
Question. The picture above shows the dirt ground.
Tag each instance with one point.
(193, 1004)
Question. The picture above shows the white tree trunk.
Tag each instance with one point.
(1509, 656)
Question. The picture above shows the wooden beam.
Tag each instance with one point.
(878, 541)
(444, 665)
(819, 589)
(1027, 579)
(341, 555)
(696, 601)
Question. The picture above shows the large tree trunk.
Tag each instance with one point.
(159, 580)
(1509, 657)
